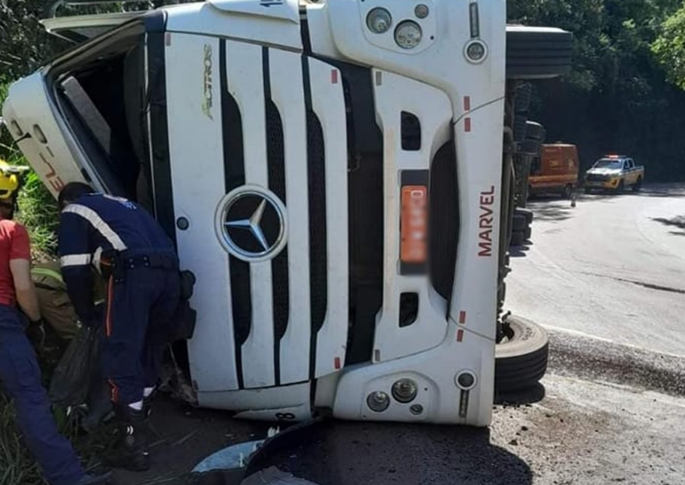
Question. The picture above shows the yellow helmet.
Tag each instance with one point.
(10, 180)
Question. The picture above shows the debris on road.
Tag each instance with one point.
(274, 476)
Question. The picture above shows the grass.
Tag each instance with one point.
(16, 465)
(37, 210)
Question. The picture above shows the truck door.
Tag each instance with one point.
(633, 172)
(80, 28)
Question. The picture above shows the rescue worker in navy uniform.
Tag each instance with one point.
(140, 265)
(19, 372)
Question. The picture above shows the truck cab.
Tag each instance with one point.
(614, 172)
(331, 172)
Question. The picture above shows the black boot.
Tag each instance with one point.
(99, 407)
(147, 404)
(130, 452)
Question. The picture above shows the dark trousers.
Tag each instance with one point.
(138, 320)
(21, 378)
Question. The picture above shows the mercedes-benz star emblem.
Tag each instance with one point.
(251, 224)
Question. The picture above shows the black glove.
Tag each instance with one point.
(36, 333)
(90, 323)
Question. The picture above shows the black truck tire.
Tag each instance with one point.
(518, 238)
(530, 148)
(538, 52)
(527, 213)
(535, 131)
(520, 223)
(520, 125)
(524, 93)
(521, 358)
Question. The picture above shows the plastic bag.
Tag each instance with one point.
(73, 376)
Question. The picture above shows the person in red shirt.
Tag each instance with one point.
(19, 372)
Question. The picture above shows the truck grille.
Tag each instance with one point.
(314, 307)
(597, 178)
(303, 327)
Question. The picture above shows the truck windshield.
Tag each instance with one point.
(100, 89)
(608, 163)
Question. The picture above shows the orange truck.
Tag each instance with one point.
(555, 170)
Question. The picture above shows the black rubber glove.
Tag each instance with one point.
(36, 333)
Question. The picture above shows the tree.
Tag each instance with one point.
(617, 96)
(669, 47)
(26, 45)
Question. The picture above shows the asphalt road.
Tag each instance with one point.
(612, 267)
(606, 279)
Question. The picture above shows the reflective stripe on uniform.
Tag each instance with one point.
(97, 256)
(96, 221)
(48, 272)
(75, 260)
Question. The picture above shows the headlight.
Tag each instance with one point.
(476, 51)
(379, 20)
(378, 401)
(466, 380)
(421, 11)
(404, 390)
(408, 34)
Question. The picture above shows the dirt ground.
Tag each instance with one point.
(570, 431)
(595, 433)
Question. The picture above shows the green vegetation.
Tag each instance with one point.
(620, 96)
(38, 211)
(669, 47)
(16, 466)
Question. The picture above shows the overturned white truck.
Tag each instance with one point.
(337, 175)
